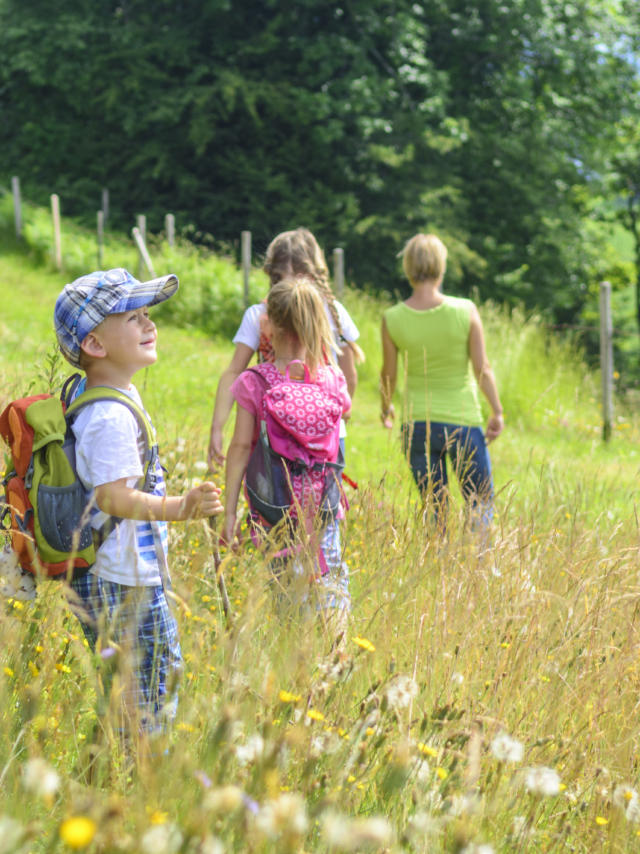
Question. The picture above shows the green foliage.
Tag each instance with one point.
(490, 123)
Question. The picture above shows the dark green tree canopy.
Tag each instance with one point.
(488, 122)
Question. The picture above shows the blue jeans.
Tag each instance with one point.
(427, 444)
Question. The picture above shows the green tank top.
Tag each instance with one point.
(433, 350)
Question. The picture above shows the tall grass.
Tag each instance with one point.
(288, 741)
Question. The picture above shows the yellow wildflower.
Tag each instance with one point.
(288, 697)
(78, 831)
(363, 643)
(315, 715)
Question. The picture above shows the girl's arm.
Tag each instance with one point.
(388, 376)
(237, 459)
(347, 364)
(224, 402)
(484, 375)
(118, 499)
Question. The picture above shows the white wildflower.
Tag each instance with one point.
(473, 848)
(466, 804)
(251, 751)
(210, 845)
(423, 772)
(200, 466)
(12, 835)
(324, 744)
(283, 815)
(507, 749)
(626, 798)
(542, 781)
(162, 839)
(423, 824)
(457, 678)
(346, 834)
(401, 691)
(40, 778)
(223, 800)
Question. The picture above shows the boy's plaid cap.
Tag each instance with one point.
(86, 302)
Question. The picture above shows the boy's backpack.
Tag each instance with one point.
(296, 465)
(48, 507)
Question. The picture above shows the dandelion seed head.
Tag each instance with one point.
(40, 778)
(285, 815)
(211, 845)
(401, 691)
(12, 834)
(348, 834)
(507, 749)
(161, 839)
(542, 781)
(251, 751)
(223, 800)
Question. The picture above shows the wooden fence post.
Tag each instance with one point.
(100, 238)
(606, 359)
(170, 228)
(338, 271)
(141, 222)
(57, 238)
(105, 204)
(142, 249)
(246, 264)
(17, 205)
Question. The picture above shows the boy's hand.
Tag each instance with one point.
(201, 501)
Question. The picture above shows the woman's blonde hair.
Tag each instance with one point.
(424, 257)
(295, 307)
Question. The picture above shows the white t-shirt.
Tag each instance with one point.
(109, 446)
(249, 332)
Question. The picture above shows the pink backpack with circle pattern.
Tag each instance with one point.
(296, 465)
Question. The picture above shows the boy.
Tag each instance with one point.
(103, 327)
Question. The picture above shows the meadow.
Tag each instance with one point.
(485, 696)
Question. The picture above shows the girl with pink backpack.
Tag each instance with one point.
(286, 447)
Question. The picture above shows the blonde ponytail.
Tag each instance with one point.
(295, 307)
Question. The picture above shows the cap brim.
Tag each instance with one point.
(148, 293)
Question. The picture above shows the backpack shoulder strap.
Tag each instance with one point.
(100, 393)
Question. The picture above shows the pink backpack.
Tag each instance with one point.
(296, 465)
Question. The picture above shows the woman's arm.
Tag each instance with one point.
(388, 376)
(237, 459)
(224, 402)
(484, 375)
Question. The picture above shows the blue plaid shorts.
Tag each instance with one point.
(138, 622)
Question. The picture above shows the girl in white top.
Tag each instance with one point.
(291, 253)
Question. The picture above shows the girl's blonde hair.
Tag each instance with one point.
(295, 307)
(424, 257)
(297, 253)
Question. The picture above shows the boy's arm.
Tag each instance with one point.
(237, 459)
(126, 502)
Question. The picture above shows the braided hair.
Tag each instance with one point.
(297, 253)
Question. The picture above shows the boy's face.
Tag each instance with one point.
(127, 340)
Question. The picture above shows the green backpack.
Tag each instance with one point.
(48, 507)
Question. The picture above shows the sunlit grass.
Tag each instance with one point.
(484, 694)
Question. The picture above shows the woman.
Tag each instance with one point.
(442, 342)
